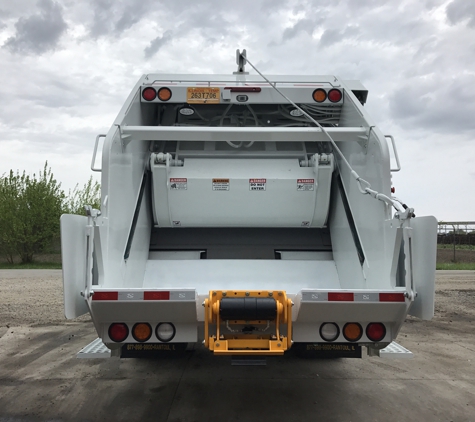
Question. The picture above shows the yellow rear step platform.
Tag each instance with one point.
(239, 322)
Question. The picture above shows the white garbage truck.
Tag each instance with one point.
(251, 215)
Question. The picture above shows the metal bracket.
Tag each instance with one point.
(241, 62)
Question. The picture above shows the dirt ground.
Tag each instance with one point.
(41, 380)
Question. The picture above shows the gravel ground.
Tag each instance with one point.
(29, 300)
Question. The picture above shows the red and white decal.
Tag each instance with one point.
(359, 297)
(305, 184)
(257, 184)
(178, 183)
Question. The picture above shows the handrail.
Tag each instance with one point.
(95, 152)
(395, 152)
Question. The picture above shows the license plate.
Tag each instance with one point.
(202, 95)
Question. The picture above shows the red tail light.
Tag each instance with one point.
(375, 331)
(334, 95)
(149, 94)
(118, 332)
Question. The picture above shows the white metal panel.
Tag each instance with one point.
(424, 254)
(242, 274)
(73, 253)
(395, 351)
(199, 202)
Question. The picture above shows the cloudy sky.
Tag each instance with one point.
(66, 68)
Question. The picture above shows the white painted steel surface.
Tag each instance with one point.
(241, 274)
(73, 253)
(94, 350)
(395, 351)
(199, 201)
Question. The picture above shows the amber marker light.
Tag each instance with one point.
(319, 95)
(142, 331)
(352, 331)
(164, 94)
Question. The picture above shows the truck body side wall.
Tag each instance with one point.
(123, 167)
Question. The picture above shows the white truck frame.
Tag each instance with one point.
(249, 213)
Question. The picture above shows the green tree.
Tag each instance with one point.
(30, 208)
(90, 194)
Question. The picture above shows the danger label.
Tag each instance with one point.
(178, 183)
(220, 184)
(305, 184)
(257, 184)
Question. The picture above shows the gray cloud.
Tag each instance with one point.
(38, 33)
(443, 108)
(303, 25)
(333, 36)
(461, 10)
(157, 43)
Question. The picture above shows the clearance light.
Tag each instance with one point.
(375, 331)
(149, 94)
(341, 297)
(319, 95)
(142, 331)
(334, 95)
(329, 331)
(164, 94)
(165, 331)
(118, 332)
(352, 331)
(244, 89)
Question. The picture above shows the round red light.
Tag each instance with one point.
(149, 94)
(334, 95)
(118, 332)
(376, 331)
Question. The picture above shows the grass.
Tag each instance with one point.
(456, 266)
(31, 266)
(457, 247)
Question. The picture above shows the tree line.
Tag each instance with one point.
(30, 209)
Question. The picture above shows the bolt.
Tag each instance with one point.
(271, 294)
(216, 344)
(278, 345)
(247, 293)
(224, 294)
(214, 293)
(280, 293)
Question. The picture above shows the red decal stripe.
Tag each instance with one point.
(156, 295)
(341, 297)
(391, 297)
(105, 296)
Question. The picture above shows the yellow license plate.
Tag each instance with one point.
(202, 95)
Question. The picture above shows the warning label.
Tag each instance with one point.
(220, 184)
(178, 183)
(257, 184)
(305, 184)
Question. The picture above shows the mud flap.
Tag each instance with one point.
(73, 253)
(424, 255)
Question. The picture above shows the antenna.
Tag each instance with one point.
(241, 62)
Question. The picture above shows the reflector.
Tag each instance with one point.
(149, 94)
(334, 95)
(352, 331)
(164, 94)
(142, 331)
(118, 332)
(376, 331)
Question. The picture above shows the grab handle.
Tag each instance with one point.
(95, 152)
(395, 152)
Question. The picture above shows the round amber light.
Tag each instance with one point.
(319, 95)
(352, 331)
(142, 331)
(164, 94)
